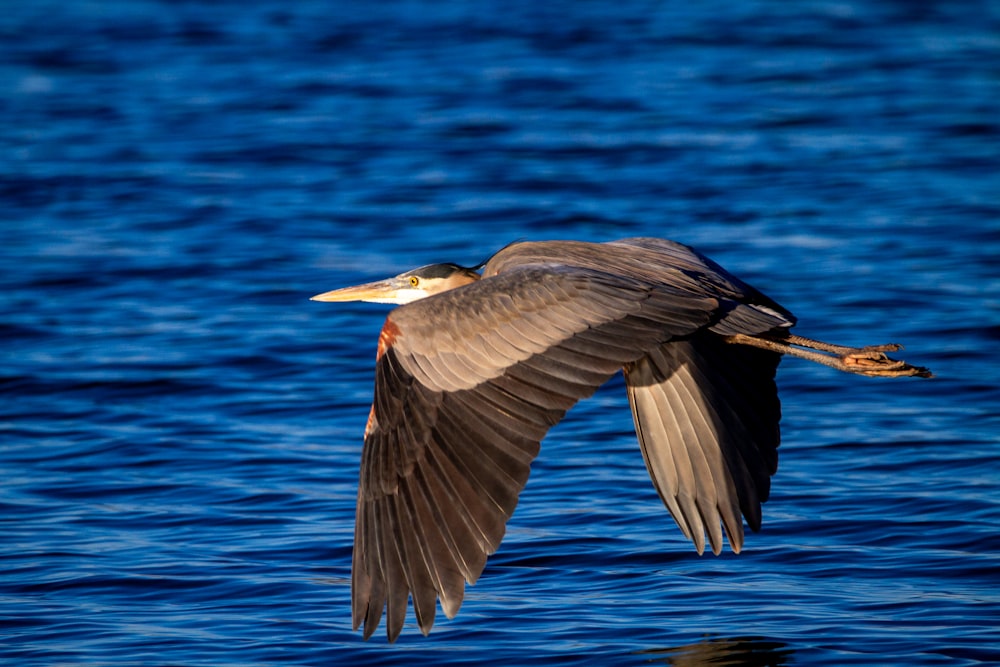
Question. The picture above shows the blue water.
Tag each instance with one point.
(180, 427)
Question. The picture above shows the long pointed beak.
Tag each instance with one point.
(380, 290)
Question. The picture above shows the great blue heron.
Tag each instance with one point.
(474, 369)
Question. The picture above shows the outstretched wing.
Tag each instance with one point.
(467, 384)
(706, 413)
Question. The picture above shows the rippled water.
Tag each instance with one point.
(180, 427)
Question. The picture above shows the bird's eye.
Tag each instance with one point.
(414, 281)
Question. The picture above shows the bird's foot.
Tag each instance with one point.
(873, 362)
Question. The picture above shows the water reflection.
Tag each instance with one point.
(729, 651)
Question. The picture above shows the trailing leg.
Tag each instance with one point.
(870, 360)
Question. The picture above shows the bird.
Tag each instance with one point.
(476, 364)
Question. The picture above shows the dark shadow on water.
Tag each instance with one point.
(723, 651)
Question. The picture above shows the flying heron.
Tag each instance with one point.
(473, 369)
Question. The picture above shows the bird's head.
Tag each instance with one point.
(406, 287)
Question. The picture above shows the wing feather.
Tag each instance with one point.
(669, 401)
(466, 539)
(440, 552)
(388, 549)
(411, 556)
(709, 439)
(484, 455)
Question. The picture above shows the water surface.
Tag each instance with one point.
(180, 427)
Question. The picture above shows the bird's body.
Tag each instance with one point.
(470, 379)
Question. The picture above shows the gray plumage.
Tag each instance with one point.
(469, 380)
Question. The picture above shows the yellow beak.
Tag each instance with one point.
(380, 291)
